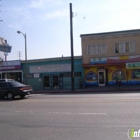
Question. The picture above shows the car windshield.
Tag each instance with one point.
(16, 84)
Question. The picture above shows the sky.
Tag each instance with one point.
(47, 24)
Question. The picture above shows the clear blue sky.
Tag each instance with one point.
(47, 23)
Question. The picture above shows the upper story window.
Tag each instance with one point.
(96, 49)
(124, 47)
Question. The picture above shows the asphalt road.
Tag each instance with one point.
(70, 117)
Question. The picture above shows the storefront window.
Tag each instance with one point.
(118, 74)
(136, 74)
(13, 75)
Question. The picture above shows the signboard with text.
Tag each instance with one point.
(116, 59)
(133, 65)
(10, 65)
(5, 48)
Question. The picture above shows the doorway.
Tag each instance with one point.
(101, 77)
(55, 81)
(46, 81)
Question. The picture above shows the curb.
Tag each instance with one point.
(85, 91)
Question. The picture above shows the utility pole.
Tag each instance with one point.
(72, 56)
(19, 54)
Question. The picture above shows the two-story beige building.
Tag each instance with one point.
(111, 56)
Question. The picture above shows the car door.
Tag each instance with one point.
(3, 89)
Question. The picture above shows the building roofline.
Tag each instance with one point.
(52, 59)
(112, 33)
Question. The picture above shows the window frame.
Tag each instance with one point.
(123, 47)
(97, 48)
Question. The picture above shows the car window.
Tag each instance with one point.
(2, 80)
(15, 84)
(3, 85)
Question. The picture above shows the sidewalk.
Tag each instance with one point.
(110, 88)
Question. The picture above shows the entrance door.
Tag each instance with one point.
(47, 81)
(101, 78)
(55, 81)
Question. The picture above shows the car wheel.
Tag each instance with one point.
(10, 96)
(22, 96)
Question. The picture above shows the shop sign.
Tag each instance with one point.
(29, 76)
(5, 48)
(36, 75)
(101, 70)
(3, 68)
(133, 65)
(10, 65)
(116, 59)
(50, 68)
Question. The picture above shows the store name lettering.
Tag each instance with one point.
(134, 65)
(4, 68)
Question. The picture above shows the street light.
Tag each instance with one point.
(25, 56)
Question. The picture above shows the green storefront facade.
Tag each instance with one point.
(52, 73)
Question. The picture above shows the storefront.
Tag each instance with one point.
(105, 71)
(53, 73)
(11, 70)
(133, 72)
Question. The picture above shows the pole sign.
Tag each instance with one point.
(5, 48)
(133, 65)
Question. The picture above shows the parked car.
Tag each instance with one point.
(3, 80)
(11, 88)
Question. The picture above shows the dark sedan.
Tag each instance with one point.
(10, 89)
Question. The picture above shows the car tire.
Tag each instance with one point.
(22, 96)
(10, 96)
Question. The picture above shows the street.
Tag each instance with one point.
(70, 117)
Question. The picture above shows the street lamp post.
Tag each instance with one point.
(26, 69)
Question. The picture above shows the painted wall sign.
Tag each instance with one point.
(118, 59)
(50, 68)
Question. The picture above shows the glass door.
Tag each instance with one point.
(101, 78)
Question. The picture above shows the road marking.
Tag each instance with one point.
(60, 113)
(92, 113)
(77, 113)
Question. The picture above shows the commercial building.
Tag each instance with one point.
(52, 73)
(109, 56)
(11, 70)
